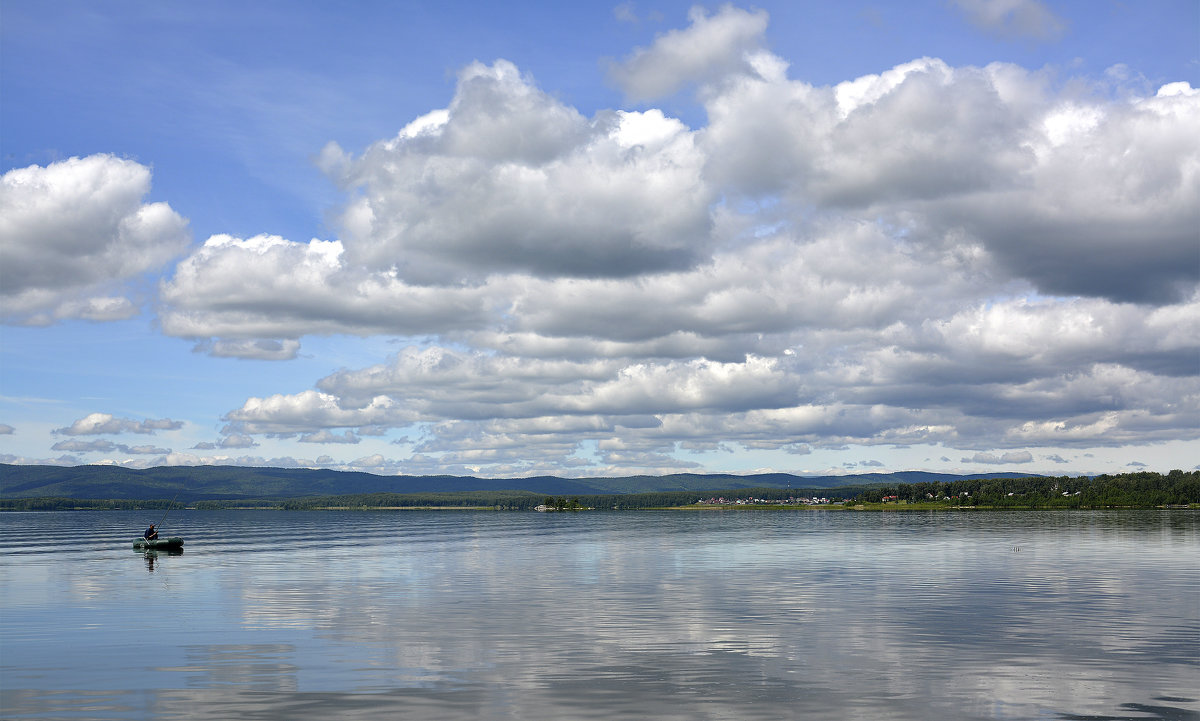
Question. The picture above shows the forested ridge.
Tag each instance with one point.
(1141, 489)
(226, 483)
(1126, 490)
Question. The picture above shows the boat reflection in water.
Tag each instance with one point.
(151, 554)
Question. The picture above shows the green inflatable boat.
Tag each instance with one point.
(172, 543)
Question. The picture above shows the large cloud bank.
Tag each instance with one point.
(990, 258)
(73, 233)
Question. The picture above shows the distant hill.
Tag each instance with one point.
(198, 483)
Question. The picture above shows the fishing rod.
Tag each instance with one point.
(169, 506)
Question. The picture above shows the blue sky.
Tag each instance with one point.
(598, 238)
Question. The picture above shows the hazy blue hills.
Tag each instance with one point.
(197, 483)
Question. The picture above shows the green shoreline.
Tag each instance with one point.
(84, 505)
(908, 508)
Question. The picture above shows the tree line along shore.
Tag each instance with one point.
(1127, 490)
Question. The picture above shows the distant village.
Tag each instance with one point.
(722, 501)
(815, 501)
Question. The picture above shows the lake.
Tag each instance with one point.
(602, 614)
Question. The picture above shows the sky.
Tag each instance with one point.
(597, 238)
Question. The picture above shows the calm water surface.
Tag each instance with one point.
(599, 615)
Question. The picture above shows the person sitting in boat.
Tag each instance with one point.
(151, 533)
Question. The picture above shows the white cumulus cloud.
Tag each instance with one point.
(106, 423)
(509, 179)
(1007, 457)
(74, 231)
(712, 46)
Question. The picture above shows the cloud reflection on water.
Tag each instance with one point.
(734, 615)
